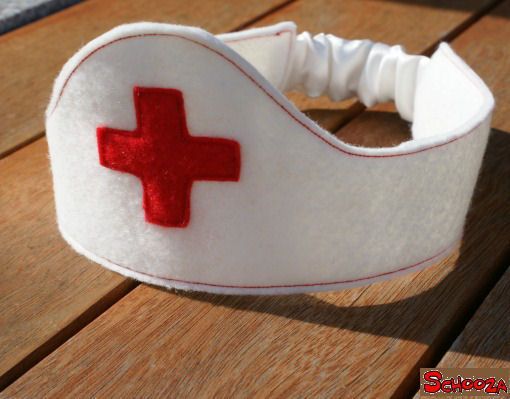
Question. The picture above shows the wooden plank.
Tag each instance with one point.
(485, 343)
(313, 344)
(33, 55)
(48, 292)
(364, 342)
(45, 286)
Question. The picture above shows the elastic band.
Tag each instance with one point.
(341, 69)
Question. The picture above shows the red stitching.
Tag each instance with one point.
(302, 124)
(258, 36)
(282, 106)
(450, 247)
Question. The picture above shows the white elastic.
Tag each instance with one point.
(340, 68)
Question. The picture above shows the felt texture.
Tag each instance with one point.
(165, 157)
(308, 213)
(268, 49)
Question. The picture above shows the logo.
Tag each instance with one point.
(465, 382)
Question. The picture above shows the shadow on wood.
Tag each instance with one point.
(456, 5)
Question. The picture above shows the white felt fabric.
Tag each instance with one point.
(268, 49)
(309, 212)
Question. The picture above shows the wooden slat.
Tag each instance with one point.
(356, 343)
(32, 56)
(45, 286)
(47, 290)
(485, 342)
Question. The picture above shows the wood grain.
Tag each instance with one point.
(48, 291)
(45, 287)
(486, 333)
(366, 342)
(486, 340)
(32, 56)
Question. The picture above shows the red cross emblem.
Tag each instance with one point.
(165, 157)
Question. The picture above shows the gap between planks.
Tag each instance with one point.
(90, 314)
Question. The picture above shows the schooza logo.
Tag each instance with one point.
(466, 382)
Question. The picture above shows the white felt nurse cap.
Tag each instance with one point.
(178, 161)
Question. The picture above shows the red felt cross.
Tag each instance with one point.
(165, 157)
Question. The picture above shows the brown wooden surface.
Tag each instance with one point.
(48, 291)
(32, 56)
(485, 342)
(366, 342)
(45, 286)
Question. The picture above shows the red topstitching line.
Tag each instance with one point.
(260, 87)
(295, 285)
(261, 36)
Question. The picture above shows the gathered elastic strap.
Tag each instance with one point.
(340, 68)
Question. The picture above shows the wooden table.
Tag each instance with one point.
(69, 328)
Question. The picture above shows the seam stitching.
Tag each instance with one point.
(319, 136)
